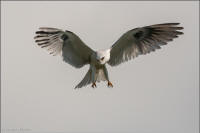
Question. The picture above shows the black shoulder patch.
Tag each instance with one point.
(64, 37)
(138, 34)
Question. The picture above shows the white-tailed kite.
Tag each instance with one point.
(138, 41)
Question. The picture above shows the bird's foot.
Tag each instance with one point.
(110, 84)
(94, 85)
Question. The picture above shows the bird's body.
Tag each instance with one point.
(131, 44)
(97, 68)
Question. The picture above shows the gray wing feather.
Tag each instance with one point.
(72, 48)
(142, 40)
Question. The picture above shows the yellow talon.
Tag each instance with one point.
(94, 85)
(110, 84)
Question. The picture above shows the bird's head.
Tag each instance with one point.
(103, 56)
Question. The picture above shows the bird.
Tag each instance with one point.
(134, 42)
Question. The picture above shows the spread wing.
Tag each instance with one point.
(72, 48)
(142, 40)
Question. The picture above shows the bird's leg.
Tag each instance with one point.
(94, 85)
(93, 76)
(110, 84)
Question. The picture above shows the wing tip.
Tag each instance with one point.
(173, 24)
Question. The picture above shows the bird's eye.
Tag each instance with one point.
(102, 58)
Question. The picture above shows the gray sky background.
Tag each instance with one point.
(155, 93)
